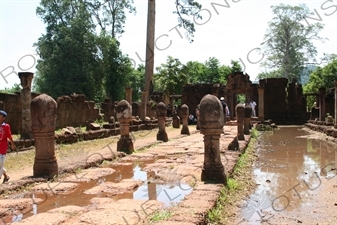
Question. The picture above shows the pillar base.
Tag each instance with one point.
(214, 175)
(162, 136)
(45, 167)
(185, 130)
(125, 144)
(246, 126)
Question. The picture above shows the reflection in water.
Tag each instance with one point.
(290, 168)
(167, 193)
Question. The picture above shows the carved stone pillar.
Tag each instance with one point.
(172, 105)
(240, 118)
(211, 127)
(261, 104)
(197, 113)
(128, 95)
(176, 121)
(335, 103)
(184, 116)
(322, 111)
(124, 116)
(144, 100)
(26, 82)
(44, 113)
(231, 105)
(248, 114)
(161, 115)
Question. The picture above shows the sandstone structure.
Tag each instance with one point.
(197, 113)
(26, 98)
(128, 95)
(75, 110)
(248, 115)
(336, 104)
(240, 117)
(176, 121)
(124, 116)
(161, 115)
(44, 113)
(211, 126)
(184, 116)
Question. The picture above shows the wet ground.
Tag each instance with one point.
(296, 177)
(129, 190)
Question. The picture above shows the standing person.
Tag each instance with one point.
(253, 105)
(5, 135)
(224, 106)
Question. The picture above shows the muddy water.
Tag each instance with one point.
(166, 193)
(289, 170)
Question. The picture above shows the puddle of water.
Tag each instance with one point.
(166, 193)
(289, 169)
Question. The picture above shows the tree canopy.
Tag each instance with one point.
(73, 57)
(289, 41)
(173, 75)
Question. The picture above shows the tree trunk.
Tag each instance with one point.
(149, 64)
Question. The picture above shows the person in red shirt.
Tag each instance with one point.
(5, 135)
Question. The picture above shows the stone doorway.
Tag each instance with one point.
(239, 84)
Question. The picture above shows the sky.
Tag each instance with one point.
(229, 30)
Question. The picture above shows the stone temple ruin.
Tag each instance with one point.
(277, 100)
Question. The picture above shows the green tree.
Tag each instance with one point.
(185, 9)
(321, 77)
(67, 51)
(73, 58)
(170, 77)
(235, 66)
(115, 68)
(110, 15)
(136, 82)
(194, 71)
(289, 41)
(215, 72)
(15, 88)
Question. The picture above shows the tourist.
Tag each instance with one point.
(224, 106)
(5, 135)
(191, 119)
(253, 105)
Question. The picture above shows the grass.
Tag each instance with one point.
(71, 152)
(160, 215)
(239, 185)
(20, 160)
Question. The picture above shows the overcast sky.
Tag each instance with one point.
(230, 30)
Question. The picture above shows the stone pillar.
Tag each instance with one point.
(172, 105)
(322, 112)
(261, 104)
(151, 186)
(44, 113)
(197, 113)
(176, 121)
(161, 111)
(248, 115)
(184, 116)
(144, 106)
(247, 98)
(211, 127)
(336, 104)
(231, 105)
(26, 98)
(128, 95)
(124, 116)
(240, 117)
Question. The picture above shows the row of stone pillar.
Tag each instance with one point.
(124, 116)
